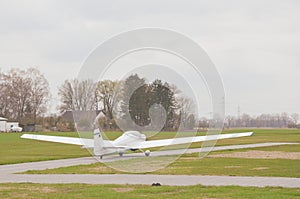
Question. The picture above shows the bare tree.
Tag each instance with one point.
(39, 92)
(23, 93)
(106, 96)
(295, 117)
(78, 95)
(186, 110)
(17, 87)
(245, 120)
(5, 104)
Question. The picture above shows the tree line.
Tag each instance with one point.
(131, 103)
(136, 96)
(282, 120)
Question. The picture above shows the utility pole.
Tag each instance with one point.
(239, 116)
(239, 112)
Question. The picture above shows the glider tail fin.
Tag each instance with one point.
(98, 142)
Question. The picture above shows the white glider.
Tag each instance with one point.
(130, 140)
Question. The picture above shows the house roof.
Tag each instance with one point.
(68, 115)
(3, 119)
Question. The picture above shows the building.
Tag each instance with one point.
(3, 124)
(6, 126)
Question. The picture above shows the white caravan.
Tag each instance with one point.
(16, 129)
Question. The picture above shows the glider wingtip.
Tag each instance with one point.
(25, 135)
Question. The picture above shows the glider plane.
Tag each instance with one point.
(129, 140)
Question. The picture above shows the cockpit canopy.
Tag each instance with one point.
(135, 134)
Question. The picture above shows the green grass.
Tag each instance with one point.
(263, 135)
(285, 148)
(141, 191)
(234, 167)
(13, 149)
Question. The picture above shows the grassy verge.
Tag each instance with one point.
(139, 191)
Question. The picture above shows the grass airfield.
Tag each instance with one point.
(16, 150)
(13, 149)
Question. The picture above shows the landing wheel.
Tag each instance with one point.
(147, 153)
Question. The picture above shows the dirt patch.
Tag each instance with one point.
(253, 154)
(260, 168)
(20, 195)
(99, 169)
(5, 188)
(232, 167)
(27, 190)
(40, 189)
(123, 189)
(189, 158)
(172, 193)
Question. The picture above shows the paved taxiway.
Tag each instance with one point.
(172, 180)
(7, 172)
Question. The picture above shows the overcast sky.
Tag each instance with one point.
(255, 45)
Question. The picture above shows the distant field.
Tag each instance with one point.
(16, 150)
(141, 191)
